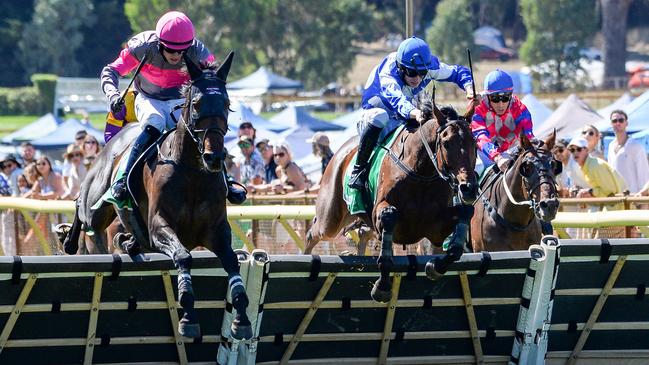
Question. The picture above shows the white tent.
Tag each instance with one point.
(569, 118)
(619, 103)
(539, 111)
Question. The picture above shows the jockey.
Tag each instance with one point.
(498, 120)
(158, 84)
(389, 93)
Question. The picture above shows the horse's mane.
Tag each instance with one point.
(426, 104)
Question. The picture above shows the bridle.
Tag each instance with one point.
(210, 91)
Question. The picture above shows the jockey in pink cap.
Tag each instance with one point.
(158, 84)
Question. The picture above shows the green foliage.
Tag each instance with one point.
(309, 40)
(20, 101)
(13, 16)
(45, 84)
(556, 30)
(452, 31)
(53, 35)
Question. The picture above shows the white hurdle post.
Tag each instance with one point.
(531, 338)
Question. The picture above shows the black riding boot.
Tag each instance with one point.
(358, 179)
(149, 135)
(235, 195)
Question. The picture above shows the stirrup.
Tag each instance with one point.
(358, 180)
(235, 195)
(119, 190)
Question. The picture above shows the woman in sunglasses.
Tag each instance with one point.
(159, 82)
(390, 90)
(593, 137)
(498, 120)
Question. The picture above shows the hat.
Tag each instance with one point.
(10, 157)
(245, 122)
(319, 138)
(245, 138)
(81, 134)
(579, 142)
(263, 141)
(72, 148)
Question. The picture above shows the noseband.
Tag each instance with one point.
(542, 175)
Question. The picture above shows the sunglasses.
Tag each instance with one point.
(245, 126)
(618, 120)
(559, 149)
(587, 133)
(414, 73)
(76, 155)
(281, 154)
(500, 98)
(90, 142)
(245, 145)
(174, 51)
(41, 164)
(575, 149)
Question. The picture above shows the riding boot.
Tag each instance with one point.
(358, 179)
(119, 188)
(235, 195)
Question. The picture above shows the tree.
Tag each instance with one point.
(51, 39)
(13, 16)
(452, 31)
(614, 25)
(556, 31)
(310, 40)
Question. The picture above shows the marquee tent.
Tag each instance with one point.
(39, 128)
(638, 112)
(569, 118)
(241, 112)
(264, 81)
(539, 111)
(619, 103)
(64, 134)
(294, 116)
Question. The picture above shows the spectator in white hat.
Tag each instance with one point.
(603, 179)
(320, 143)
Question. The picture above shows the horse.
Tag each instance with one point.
(179, 187)
(516, 207)
(429, 165)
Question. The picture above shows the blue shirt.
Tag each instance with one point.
(386, 90)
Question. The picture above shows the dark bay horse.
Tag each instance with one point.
(515, 205)
(429, 166)
(180, 192)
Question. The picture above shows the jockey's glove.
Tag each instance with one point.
(503, 161)
(116, 103)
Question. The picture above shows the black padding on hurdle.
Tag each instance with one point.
(639, 294)
(412, 268)
(346, 303)
(105, 340)
(525, 302)
(116, 267)
(428, 302)
(531, 273)
(398, 336)
(519, 335)
(485, 264)
(552, 293)
(605, 252)
(491, 333)
(260, 308)
(316, 264)
(513, 360)
(198, 340)
(572, 326)
(228, 307)
(56, 306)
(16, 270)
(132, 304)
(279, 339)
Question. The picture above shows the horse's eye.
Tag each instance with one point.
(527, 168)
(557, 167)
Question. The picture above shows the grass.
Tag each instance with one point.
(10, 123)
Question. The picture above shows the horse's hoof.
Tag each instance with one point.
(431, 273)
(380, 295)
(241, 329)
(190, 330)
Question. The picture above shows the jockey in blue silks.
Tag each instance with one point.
(389, 93)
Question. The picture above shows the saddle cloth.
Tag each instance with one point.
(354, 198)
(108, 195)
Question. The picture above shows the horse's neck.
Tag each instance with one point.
(183, 147)
(520, 214)
(415, 154)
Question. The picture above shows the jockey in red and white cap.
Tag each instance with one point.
(499, 119)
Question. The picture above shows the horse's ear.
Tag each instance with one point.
(549, 142)
(441, 119)
(224, 69)
(194, 70)
(469, 113)
(525, 142)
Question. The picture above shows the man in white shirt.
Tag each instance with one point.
(626, 155)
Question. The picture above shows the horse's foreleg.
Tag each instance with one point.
(454, 245)
(387, 219)
(241, 328)
(166, 241)
(312, 237)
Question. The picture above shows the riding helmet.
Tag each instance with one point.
(175, 30)
(497, 82)
(414, 53)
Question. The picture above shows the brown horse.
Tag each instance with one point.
(429, 165)
(516, 207)
(180, 191)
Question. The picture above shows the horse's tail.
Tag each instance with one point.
(69, 234)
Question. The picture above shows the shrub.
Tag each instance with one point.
(46, 86)
(20, 101)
